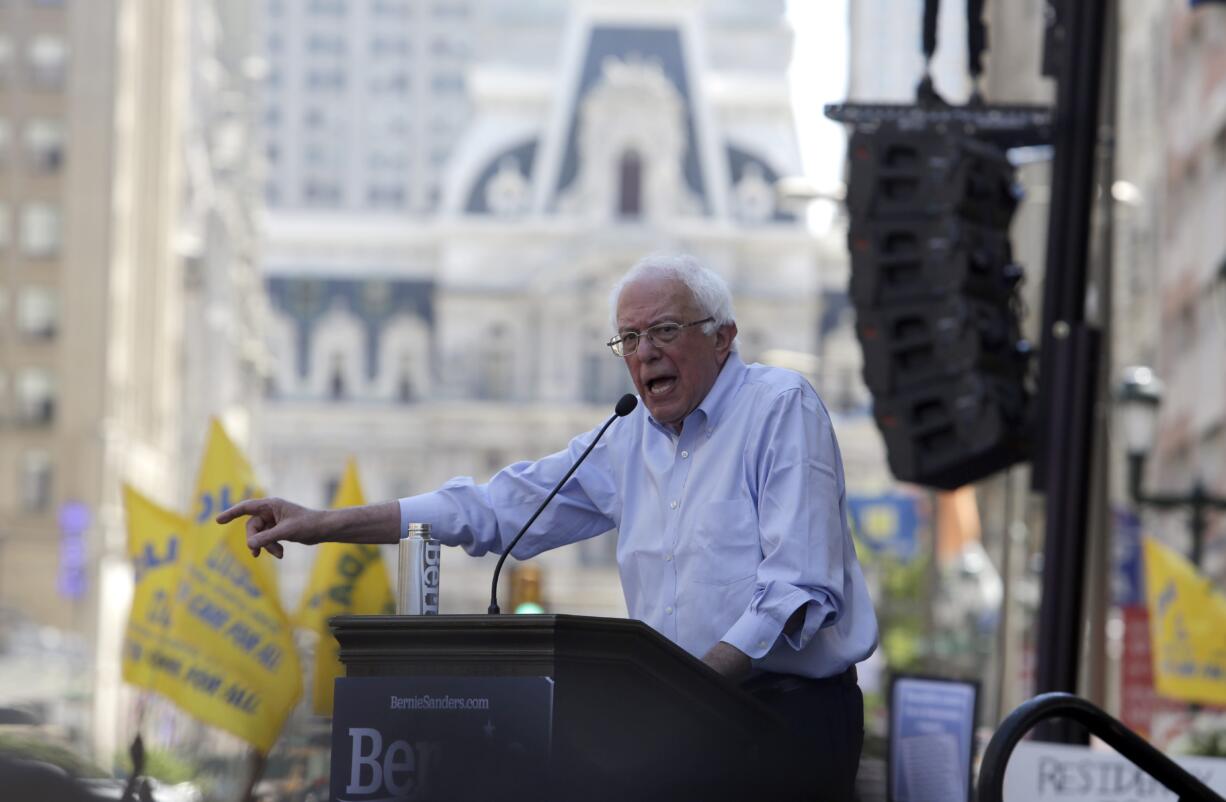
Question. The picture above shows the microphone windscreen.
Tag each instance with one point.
(626, 405)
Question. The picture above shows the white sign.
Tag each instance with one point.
(932, 727)
(1042, 771)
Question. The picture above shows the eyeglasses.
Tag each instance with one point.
(659, 334)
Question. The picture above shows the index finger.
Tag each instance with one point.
(249, 507)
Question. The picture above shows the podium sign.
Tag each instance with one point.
(436, 738)
(550, 708)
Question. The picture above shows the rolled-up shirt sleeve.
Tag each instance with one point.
(802, 526)
(482, 518)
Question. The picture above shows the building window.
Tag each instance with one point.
(603, 379)
(331, 485)
(391, 8)
(336, 383)
(334, 8)
(442, 48)
(40, 230)
(398, 126)
(47, 58)
(318, 155)
(314, 118)
(396, 83)
(386, 161)
(404, 380)
(326, 45)
(447, 82)
(390, 46)
(454, 10)
(45, 145)
(494, 379)
(38, 312)
(630, 185)
(6, 59)
(326, 80)
(845, 390)
(35, 396)
(321, 193)
(439, 154)
(385, 196)
(6, 138)
(36, 475)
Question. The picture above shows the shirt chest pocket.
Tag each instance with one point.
(722, 545)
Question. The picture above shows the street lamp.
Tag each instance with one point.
(1139, 394)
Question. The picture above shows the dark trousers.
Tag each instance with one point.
(827, 716)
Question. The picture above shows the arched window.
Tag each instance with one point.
(494, 378)
(630, 185)
(404, 380)
(337, 380)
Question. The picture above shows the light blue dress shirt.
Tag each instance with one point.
(724, 529)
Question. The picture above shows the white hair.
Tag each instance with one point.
(708, 288)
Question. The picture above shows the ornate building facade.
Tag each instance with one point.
(457, 342)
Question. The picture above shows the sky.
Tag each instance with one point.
(818, 76)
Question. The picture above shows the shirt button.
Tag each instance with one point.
(710, 432)
(761, 644)
(673, 504)
(668, 610)
(684, 454)
(668, 558)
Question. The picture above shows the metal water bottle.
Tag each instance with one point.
(417, 588)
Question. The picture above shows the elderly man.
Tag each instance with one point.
(727, 492)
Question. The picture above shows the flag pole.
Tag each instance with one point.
(259, 761)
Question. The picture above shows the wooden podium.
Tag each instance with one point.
(548, 707)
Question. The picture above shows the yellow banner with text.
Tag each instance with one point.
(347, 579)
(1187, 626)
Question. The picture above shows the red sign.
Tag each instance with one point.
(1138, 699)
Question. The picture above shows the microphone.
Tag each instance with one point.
(624, 407)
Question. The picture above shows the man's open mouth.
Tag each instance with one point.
(661, 385)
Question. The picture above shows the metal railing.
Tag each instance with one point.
(1065, 705)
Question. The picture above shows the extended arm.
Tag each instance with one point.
(480, 518)
(273, 521)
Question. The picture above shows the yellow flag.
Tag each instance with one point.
(348, 578)
(1187, 626)
(155, 544)
(227, 608)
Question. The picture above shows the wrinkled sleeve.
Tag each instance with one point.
(800, 500)
(482, 518)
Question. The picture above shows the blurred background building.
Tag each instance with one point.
(443, 310)
(1171, 247)
(126, 232)
(387, 229)
(91, 386)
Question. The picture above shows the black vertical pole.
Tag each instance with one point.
(1197, 522)
(1069, 356)
(1074, 359)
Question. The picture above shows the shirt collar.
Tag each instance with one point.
(730, 377)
